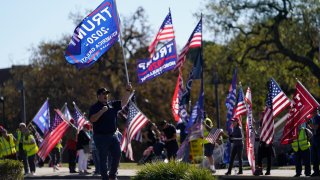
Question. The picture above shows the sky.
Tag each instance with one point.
(24, 24)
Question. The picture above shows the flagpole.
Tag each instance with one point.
(121, 44)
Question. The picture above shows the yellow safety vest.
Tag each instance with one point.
(30, 149)
(8, 147)
(302, 142)
(18, 139)
(59, 146)
(205, 134)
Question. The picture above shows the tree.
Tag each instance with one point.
(280, 30)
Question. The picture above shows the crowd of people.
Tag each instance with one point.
(100, 136)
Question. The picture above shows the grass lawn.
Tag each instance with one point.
(129, 165)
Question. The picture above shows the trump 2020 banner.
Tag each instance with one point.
(163, 60)
(94, 35)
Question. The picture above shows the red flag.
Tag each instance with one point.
(276, 102)
(302, 105)
(250, 134)
(175, 98)
(53, 137)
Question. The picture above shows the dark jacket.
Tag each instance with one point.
(83, 140)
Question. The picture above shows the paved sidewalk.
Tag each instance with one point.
(125, 174)
(63, 173)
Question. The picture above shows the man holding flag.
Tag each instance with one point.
(103, 115)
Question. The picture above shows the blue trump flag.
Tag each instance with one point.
(94, 36)
(42, 118)
(230, 104)
(162, 61)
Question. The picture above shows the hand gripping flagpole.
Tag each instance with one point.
(121, 44)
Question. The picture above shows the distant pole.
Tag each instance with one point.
(3, 113)
(23, 104)
(216, 84)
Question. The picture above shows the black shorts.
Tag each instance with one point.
(208, 149)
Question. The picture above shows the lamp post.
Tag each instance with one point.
(216, 84)
(3, 113)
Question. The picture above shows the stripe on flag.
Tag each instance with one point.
(136, 121)
(166, 32)
(214, 135)
(276, 102)
(195, 40)
(53, 137)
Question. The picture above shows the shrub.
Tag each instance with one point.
(11, 169)
(172, 171)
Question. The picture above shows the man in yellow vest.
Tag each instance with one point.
(208, 147)
(30, 147)
(301, 147)
(7, 145)
(22, 156)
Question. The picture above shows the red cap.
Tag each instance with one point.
(87, 125)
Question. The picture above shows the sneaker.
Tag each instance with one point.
(267, 173)
(297, 175)
(257, 172)
(74, 171)
(55, 167)
(86, 172)
(315, 174)
(228, 173)
(81, 173)
(96, 174)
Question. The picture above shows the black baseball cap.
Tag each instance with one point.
(102, 90)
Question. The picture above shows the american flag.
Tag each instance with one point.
(57, 120)
(166, 32)
(214, 135)
(124, 114)
(241, 108)
(54, 136)
(78, 117)
(195, 40)
(276, 102)
(135, 122)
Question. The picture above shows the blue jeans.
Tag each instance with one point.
(315, 149)
(96, 161)
(305, 157)
(108, 144)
